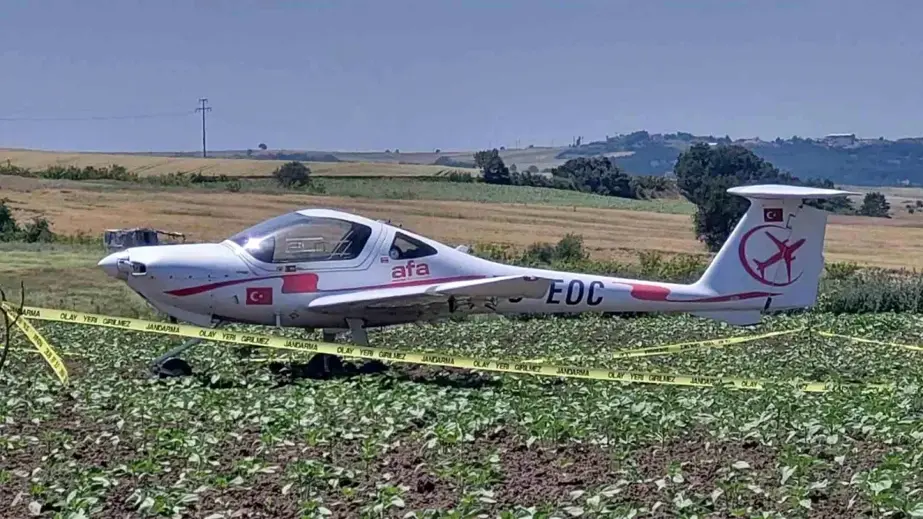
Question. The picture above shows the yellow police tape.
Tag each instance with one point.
(667, 349)
(872, 341)
(433, 359)
(37, 340)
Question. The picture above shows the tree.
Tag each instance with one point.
(875, 204)
(704, 174)
(839, 204)
(262, 146)
(596, 175)
(38, 230)
(492, 167)
(293, 175)
(9, 229)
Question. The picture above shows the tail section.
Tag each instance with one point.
(776, 249)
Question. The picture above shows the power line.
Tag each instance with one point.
(99, 117)
(202, 108)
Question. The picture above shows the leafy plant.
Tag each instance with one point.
(293, 175)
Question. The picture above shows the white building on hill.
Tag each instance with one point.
(840, 139)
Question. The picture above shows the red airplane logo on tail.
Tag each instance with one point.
(785, 252)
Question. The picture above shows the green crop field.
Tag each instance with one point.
(399, 189)
(251, 434)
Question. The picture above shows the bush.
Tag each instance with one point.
(840, 270)
(876, 205)
(872, 291)
(293, 175)
(596, 175)
(570, 248)
(112, 172)
(460, 176)
(38, 230)
(8, 227)
(492, 167)
(446, 161)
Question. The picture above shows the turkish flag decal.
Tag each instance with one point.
(772, 215)
(259, 296)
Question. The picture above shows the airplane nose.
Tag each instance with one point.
(110, 264)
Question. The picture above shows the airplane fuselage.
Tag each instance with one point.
(321, 268)
(202, 282)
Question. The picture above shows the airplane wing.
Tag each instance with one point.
(417, 298)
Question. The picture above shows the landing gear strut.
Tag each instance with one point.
(170, 365)
(327, 364)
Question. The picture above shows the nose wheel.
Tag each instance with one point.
(170, 365)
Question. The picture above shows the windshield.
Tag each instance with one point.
(293, 238)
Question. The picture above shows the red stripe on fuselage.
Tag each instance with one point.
(646, 292)
(291, 284)
(299, 284)
(307, 283)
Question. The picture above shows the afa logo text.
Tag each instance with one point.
(409, 271)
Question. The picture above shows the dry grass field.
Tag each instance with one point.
(157, 165)
(609, 233)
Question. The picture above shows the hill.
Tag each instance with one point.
(843, 159)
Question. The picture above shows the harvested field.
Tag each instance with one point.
(608, 233)
(157, 165)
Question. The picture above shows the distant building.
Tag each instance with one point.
(840, 139)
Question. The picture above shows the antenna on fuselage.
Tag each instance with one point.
(388, 221)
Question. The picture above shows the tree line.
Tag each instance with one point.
(597, 175)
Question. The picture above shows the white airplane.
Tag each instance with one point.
(319, 268)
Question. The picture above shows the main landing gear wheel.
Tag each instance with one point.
(326, 365)
(172, 367)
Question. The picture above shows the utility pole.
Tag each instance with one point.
(202, 108)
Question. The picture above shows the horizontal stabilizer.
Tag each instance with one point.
(502, 287)
(779, 191)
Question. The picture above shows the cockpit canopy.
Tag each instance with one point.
(295, 238)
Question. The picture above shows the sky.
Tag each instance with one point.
(366, 75)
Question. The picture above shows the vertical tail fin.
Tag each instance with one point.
(776, 249)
